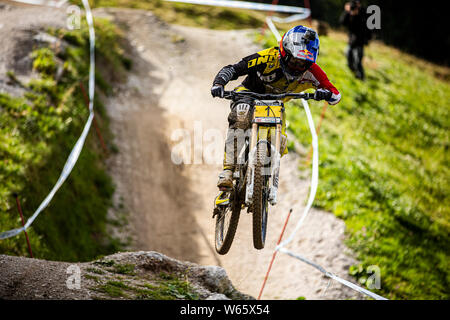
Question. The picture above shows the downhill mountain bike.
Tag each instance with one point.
(255, 177)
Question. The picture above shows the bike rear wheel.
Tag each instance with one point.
(260, 197)
(227, 220)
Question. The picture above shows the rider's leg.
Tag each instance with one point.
(239, 123)
(226, 176)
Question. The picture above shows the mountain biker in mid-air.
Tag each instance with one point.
(291, 67)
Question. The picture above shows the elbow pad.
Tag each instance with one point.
(225, 75)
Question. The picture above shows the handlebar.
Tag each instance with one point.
(232, 95)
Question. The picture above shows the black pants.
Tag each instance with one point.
(354, 60)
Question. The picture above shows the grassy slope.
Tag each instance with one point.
(384, 166)
(37, 133)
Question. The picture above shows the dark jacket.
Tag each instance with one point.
(358, 33)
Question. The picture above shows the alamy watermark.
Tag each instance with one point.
(73, 21)
(374, 281)
(198, 146)
(374, 20)
(73, 282)
(213, 147)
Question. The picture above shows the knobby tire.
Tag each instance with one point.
(225, 245)
(260, 202)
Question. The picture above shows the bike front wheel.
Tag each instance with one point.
(260, 196)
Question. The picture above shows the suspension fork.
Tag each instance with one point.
(251, 165)
(275, 166)
(260, 134)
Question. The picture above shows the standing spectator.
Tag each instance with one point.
(354, 18)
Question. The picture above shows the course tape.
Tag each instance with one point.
(247, 5)
(314, 177)
(295, 17)
(75, 153)
(300, 13)
(47, 3)
(333, 276)
(273, 28)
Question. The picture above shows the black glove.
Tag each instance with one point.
(322, 94)
(217, 90)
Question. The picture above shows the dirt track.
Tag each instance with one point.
(171, 205)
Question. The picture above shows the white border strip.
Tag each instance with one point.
(273, 28)
(75, 153)
(248, 5)
(48, 3)
(314, 178)
(333, 276)
(295, 17)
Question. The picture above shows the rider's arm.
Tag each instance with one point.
(225, 75)
(232, 72)
(322, 82)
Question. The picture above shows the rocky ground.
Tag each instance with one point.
(128, 275)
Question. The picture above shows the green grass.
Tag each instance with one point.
(164, 287)
(37, 133)
(114, 289)
(168, 287)
(112, 266)
(95, 270)
(384, 166)
(192, 15)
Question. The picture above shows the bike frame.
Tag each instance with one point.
(266, 123)
(259, 150)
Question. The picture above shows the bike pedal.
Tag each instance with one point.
(223, 199)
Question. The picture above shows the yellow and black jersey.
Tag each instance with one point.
(265, 75)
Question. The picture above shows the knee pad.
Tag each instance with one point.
(241, 114)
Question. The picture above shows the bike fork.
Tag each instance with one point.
(251, 166)
(275, 164)
(275, 170)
